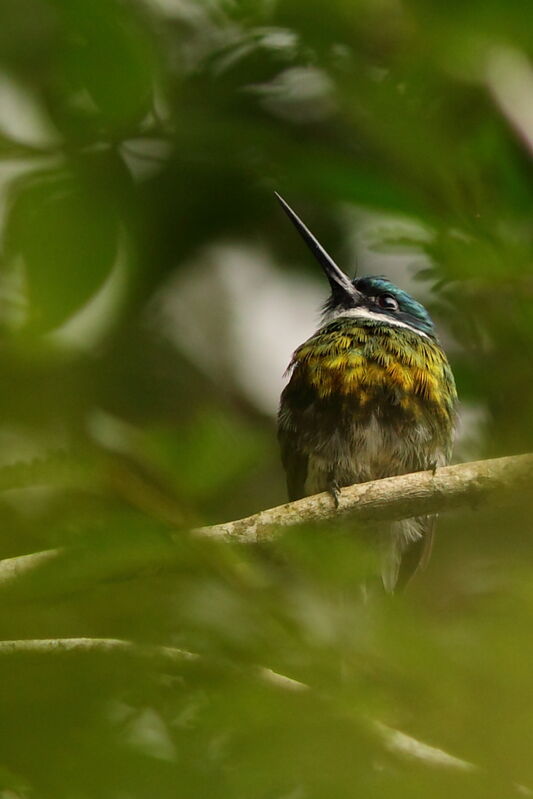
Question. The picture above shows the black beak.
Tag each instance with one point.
(339, 282)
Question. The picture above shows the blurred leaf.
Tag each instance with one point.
(209, 455)
(27, 32)
(65, 228)
(104, 76)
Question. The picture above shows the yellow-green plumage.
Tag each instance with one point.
(362, 359)
(367, 400)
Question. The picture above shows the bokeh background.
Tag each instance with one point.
(151, 294)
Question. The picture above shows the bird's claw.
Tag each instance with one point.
(335, 491)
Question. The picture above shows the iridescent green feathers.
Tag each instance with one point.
(365, 400)
(365, 359)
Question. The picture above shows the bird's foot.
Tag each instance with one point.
(433, 467)
(335, 491)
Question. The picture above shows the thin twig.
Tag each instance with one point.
(164, 656)
(405, 748)
(171, 660)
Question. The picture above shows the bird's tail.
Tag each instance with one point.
(405, 546)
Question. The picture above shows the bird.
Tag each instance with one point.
(371, 394)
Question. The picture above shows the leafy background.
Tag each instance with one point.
(151, 293)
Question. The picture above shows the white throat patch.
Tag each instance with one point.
(364, 313)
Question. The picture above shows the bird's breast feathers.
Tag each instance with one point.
(375, 364)
(365, 400)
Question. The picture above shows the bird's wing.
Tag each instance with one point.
(295, 463)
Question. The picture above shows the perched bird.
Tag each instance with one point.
(371, 394)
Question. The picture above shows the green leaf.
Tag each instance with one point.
(64, 227)
(104, 73)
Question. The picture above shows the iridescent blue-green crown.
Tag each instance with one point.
(374, 296)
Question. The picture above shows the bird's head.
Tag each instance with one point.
(364, 297)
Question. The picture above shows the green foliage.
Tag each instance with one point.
(66, 232)
(134, 137)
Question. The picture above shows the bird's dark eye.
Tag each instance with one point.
(388, 302)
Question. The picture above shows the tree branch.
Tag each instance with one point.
(174, 661)
(476, 484)
(480, 484)
(163, 657)
(170, 660)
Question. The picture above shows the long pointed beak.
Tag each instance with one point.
(337, 278)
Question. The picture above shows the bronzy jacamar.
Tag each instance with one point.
(370, 395)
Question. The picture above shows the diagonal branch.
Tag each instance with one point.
(177, 661)
(401, 746)
(480, 484)
(476, 484)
